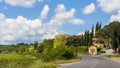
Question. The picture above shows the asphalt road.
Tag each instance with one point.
(93, 62)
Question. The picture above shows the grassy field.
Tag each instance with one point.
(23, 61)
(114, 57)
(14, 61)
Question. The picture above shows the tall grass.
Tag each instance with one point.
(23, 61)
(40, 64)
(14, 61)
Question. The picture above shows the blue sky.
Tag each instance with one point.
(34, 20)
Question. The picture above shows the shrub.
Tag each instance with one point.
(68, 54)
(60, 52)
(99, 49)
(82, 49)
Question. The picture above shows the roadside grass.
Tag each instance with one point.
(113, 57)
(23, 61)
(52, 64)
(57, 63)
(41, 64)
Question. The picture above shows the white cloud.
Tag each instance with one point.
(63, 16)
(43, 0)
(44, 12)
(2, 17)
(115, 17)
(109, 6)
(77, 21)
(21, 29)
(23, 3)
(89, 8)
(81, 33)
(1, 0)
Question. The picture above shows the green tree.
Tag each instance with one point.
(60, 40)
(98, 27)
(73, 41)
(111, 32)
(82, 39)
(45, 44)
(92, 33)
(48, 42)
(36, 45)
(86, 38)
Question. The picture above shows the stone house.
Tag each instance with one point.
(93, 50)
(96, 43)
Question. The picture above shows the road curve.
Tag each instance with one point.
(93, 62)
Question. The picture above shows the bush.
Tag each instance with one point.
(82, 49)
(99, 49)
(60, 52)
(68, 54)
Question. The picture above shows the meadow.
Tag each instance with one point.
(25, 61)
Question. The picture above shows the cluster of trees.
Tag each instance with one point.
(85, 39)
(12, 48)
(59, 49)
(111, 33)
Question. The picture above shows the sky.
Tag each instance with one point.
(28, 21)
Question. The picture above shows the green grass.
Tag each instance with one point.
(117, 57)
(113, 57)
(52, 64)
(12, 57)
(14, 61)
(40, 64)
(23, 61)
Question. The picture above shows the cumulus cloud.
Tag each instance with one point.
(23, 3)
(109, 6)
(1, 0)
(63, 16)
(21, 29)
(89, 8)
(44, 12)
(115, 17)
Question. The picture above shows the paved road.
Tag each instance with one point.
(93, 62)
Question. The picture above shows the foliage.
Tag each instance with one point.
(51, 53)
(58, 50)
(99, 49)
(86, 38)
(68, 54)
(60, 40)
(82, 49)
(111, 31)
(73, 41)
(98, 27)
(46, 44)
